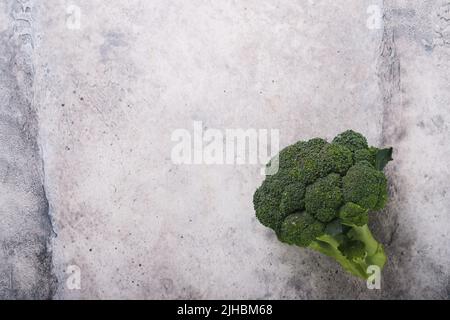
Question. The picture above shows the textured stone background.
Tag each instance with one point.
(86, 117)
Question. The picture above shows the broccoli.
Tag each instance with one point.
(321, 197)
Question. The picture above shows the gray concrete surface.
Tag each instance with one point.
(25, 229)
(99, 97)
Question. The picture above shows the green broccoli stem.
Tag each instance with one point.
(324, 246)
(375, 251)
(328, 245)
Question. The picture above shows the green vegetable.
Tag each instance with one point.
(322, 195)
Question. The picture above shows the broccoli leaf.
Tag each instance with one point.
(382, 157)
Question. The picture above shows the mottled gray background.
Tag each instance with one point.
(86, 117)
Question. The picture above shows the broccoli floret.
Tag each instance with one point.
(353, 249)
(324, 197)
(288, 157)
(365, 186)
(297, 153)
(334, 158)
(312, 147)
(301, 229)
(368, 155)
(266, 201)
(321, 195)
(306, 168)
(352, 140)
(352, 214)
(293, 198)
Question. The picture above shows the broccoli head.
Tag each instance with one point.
(301, 229)
(322, 195)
